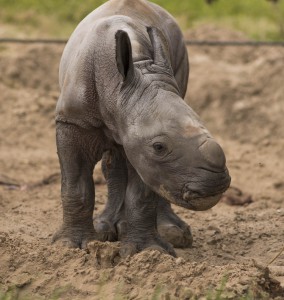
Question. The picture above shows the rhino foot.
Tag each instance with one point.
(107, 230)
(178, 236)
(171, 227)
(130, 248)
(74, 238)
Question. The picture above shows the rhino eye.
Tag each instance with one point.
(159, 148)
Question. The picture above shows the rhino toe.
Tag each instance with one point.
(179, 237)
(73, 238)
(105, 230)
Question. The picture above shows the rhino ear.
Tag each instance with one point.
(160, 47)
(124, 54)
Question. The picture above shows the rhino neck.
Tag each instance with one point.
(128, 103)
(107, 79)
(120, 101)
(155, 106)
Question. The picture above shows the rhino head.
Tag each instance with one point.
(163, 138)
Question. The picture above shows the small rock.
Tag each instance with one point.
(213, 241)
(214, 228)
(24, 280)
(266, 142)
(22, 251)
(279, 185)
(234, 196)
(180, 261)
(228, 256)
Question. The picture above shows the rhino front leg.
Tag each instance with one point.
(141, 218)
(78, 151)
(110, 225)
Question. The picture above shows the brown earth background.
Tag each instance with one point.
(239, 94)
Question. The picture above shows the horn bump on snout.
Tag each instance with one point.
(213, 154)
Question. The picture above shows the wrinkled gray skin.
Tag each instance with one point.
(123, 77)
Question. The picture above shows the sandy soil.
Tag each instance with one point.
(238, 92)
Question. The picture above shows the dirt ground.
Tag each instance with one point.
(239, 94)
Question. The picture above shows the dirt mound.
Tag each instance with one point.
(30, 66)
(230, 54)
(239, 94)
(241, 98)
(99, 272)
(214, 33)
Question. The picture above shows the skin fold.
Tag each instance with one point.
(123, 76)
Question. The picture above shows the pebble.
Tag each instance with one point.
(214, 240)
(228, 256)
(180, 261)
(23, 251)
(214, 229)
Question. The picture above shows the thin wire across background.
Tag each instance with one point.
(187, 42)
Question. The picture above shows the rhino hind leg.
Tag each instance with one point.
(78, 151)
(171, 227)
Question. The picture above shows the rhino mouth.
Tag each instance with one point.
(198, 204)
(202, 203)
(198, 195)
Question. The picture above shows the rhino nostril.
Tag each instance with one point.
(213, 154)
(189, 195)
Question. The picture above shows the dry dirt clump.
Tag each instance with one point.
(238, 92)
(36, 68)
(241, 85)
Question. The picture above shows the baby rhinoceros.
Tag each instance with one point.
(123, 76)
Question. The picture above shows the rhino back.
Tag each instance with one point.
(88, 73)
